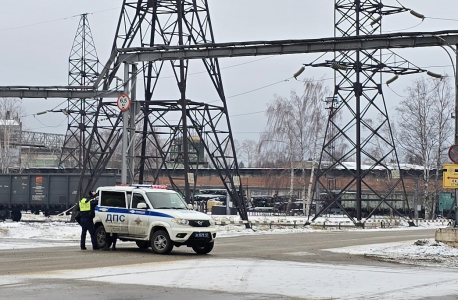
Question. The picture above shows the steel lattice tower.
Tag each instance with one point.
(82, 113)
(83, 70)
(172, 137)
(358, 118)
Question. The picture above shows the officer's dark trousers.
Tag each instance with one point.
(88, 225)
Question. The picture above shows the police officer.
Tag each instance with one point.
(86, 208)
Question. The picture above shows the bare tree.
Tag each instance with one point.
(425, 130)
(294, 126)
(10, 133)
(247, 152)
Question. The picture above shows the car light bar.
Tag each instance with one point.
(154, 186)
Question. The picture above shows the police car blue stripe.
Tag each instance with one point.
(132, 211)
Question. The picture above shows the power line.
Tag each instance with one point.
(260, 88)
(404, 29)
(243, 93)
(228, 67)
(251, 113)
(248, 132)
(49, 126)
(266, 86)
(442, 19)
(55, 20)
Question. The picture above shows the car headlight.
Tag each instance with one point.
(212, 222)
(181, 221)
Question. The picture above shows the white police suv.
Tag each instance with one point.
(152, 216)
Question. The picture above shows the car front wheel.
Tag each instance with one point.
(101, 236)
(161, 243)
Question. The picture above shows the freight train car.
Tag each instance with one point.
(49, 193)
(369, 203)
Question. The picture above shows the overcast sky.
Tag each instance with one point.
(37, 37)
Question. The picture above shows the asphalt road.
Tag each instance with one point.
(301, 247)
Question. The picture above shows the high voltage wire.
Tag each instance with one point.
(442, 19)
(110, 9)
(266, 86)
(55, 20)
(263, 87)
(404, 29)
(240, 94)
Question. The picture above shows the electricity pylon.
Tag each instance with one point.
(359, 120)
(82, 113)
(175, 136)
(83, 70)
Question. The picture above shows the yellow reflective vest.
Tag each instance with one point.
(85, 205)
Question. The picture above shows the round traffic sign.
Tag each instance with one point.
(123, 102)
(453, 153)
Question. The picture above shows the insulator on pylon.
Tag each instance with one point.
(418, 15)
(435, 75)
(376, 20)
(299, 72)
(391, 80)
(337, 66)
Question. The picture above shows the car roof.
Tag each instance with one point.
(133, 189)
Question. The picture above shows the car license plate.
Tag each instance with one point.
(201, 234)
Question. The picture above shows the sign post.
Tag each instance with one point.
(123, 103)
(453, 155)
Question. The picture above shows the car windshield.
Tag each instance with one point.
(166, 200)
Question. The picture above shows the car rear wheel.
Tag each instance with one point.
(161, 243)
(205, 249)
(142, 244)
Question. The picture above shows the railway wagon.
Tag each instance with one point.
(370, 202)
(48, 193)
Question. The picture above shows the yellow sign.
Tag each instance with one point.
(450, 176)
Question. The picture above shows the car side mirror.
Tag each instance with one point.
(142, 205)
(190, 206)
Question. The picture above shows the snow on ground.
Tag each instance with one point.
(416, 252)
(304, 280)
(54, 231)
